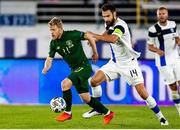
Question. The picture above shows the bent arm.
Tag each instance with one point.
(177, 40)
(152, 48)
(47, 65)
(92, 42)
(90, 38)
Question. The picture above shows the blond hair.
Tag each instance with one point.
(162, 8)
(55, 21)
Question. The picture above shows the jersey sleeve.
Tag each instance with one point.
(176, 32)
(52, 50)
(119, 30)
(151, 36)
(78, 35)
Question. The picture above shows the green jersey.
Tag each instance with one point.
(70, 48)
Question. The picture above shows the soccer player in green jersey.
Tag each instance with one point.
(68, 45)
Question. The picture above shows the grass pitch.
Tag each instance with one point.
(126, 117)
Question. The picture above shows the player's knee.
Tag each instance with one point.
(173, 86)
(94, 83)
(85, 98)
(65, 85)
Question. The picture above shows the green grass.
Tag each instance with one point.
(126, 117)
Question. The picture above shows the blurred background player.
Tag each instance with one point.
(163, 40)
(123, 61)
(68, 45)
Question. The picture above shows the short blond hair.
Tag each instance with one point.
(55, 21)
(162, 8)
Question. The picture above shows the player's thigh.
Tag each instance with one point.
(80, 79)
(82, 87)
(167, 73)
(110, 71)
(132, 74)
(98, 78)
(80, 76)
(66, 84)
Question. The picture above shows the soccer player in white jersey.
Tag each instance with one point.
(163, 40)
(123, 61)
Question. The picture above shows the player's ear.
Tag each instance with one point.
(114, 14)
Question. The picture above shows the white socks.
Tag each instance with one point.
(176, 99)
(97, 91)
(151, 103)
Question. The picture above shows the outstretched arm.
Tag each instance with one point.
(105, 37)
(47, 65)
(90, 38)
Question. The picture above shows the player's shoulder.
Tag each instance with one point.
(122, 25)
(52, 42)
(171, 23)
(152, 28)
(120, 22)
(71, 31)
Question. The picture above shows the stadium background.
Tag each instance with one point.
(24, 40)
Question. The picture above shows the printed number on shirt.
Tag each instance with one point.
(66, 50)
(133, 73)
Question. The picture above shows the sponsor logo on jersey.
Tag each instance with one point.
(69, 43)
(58, 48)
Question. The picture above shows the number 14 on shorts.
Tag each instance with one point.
(133, 72)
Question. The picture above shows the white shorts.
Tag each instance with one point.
(130, 71)
(170, 73)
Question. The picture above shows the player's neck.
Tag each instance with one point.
(116, 20)
(163, 23)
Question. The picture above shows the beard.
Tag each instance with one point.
(162, 20)
(110, 23)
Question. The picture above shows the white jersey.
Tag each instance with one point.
(163, 37)
(122, 50)
(123, 59)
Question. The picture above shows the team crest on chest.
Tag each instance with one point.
(69, 43)
(172, 30)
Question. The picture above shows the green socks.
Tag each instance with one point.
(67, 95)
(96, 105)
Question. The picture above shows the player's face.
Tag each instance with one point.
(56, 32)
(109, 17)
(162, 15)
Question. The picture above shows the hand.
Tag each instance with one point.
(177, 41)
(95, 57)
(160, 52)
(44, 71)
